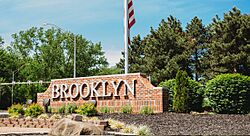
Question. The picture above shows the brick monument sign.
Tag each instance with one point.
(113, 91)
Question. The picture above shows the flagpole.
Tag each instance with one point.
(126, 35)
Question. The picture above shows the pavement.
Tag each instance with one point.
(23, 131)
(3, 114)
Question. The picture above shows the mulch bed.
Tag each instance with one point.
(187, 124)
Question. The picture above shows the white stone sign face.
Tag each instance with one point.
(89, 90)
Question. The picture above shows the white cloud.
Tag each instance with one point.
(113, 56)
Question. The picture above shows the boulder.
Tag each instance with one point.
(77, 117)
(67, 127)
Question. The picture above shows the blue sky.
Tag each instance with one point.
(102, 20)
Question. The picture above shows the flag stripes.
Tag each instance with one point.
(131, 18)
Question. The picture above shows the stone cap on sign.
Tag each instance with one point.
(104, 76)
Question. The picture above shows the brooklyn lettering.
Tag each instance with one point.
(91, 89)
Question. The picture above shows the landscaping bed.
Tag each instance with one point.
(187, 124)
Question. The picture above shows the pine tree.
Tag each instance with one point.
(165, 50)
(136, 56)
(197, 38)
(229, 51)
(1, 41)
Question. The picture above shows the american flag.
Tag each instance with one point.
(131, 18)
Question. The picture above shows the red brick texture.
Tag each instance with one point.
(145, 93)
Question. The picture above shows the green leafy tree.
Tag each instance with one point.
(181, 96)
(45, 54)
(5, 95)
(230, 44)
(8, 62)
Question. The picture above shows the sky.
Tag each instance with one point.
(102, 20)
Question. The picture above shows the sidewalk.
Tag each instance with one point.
(23, 131)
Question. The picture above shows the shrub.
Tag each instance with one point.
(54, 110)
(43, 116)
(146, 110)
(105, 110)
(169, 84)
(195, 94)
(180, 103)
(16, 109)
(126, 109)
(49, 109)
(14, 115)
(129, 129)
(70, 108)
(28, 118)
(94, 119)
(143, 131)
(69, 116)
(114, 124)
(87, 109)
(34, 110)
(206, 105)
(61, 109)
(229, 93)
(55, 117)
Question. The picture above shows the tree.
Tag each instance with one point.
(180, 100)
(197, 39)
(48, 54)
(110, 71)
(161, 53)
(1, 41)
(136, 56)
(165, 50)
(5, 95)
(7, 62)
(229, 51)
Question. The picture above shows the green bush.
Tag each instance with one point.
(105, 110)
(87, 109)
(229, 93)
(16, 109)
(43, 116)
(180, 102)
(126, 109)
(34, 110)
(55, 117)
(194, 91)
(49, 109)
(169, 84)
(61, 109)
(143, 131)
(146, 110)
(70, 108)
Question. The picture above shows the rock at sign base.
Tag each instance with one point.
(67, 127)
(77, 117)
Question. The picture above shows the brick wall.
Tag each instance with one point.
(145, 93)
(27, 123)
